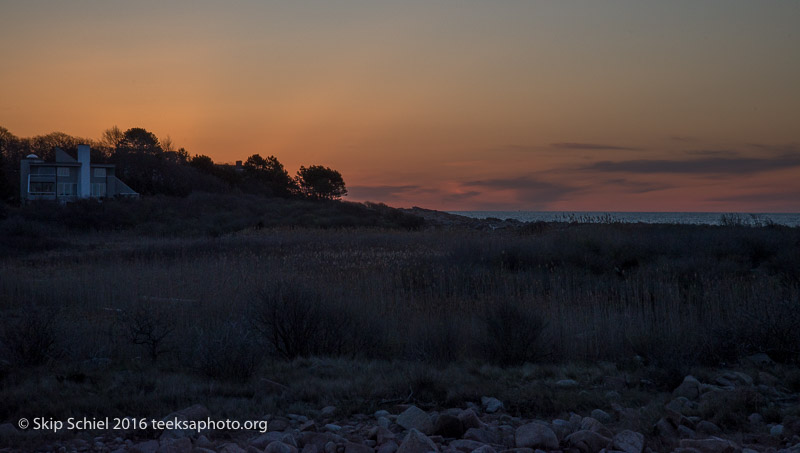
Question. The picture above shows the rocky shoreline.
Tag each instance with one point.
(485, 426)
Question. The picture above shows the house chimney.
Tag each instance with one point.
(84, 184)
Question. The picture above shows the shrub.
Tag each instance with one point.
(300, 322)
(228, 351)
(30, 339)
(513, 334)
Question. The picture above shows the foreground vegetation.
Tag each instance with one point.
(146, 318)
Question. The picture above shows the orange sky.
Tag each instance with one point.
(448, 104)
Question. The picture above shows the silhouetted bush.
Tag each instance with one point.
(514, 334)
(228, 350)
(30, 338)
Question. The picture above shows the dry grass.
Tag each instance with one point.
(657, 299)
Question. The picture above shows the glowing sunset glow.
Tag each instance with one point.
(455, 104)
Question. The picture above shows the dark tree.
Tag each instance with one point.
(8, 147)
(203, 163)
(320, 182)
(140, 141)
(271, 173)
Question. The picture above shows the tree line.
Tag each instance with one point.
(151, 166)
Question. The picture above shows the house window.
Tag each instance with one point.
(41, 188)
(99, 189)
(67, 189)
(63, 171)
(43, 171)
(99, 172)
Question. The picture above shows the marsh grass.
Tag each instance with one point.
(657, 299)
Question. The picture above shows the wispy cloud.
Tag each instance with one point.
(382, 192)
(708, 165)
(638, 186)
(593, 146)
(526, 188)
(791, 196)
(712, 152)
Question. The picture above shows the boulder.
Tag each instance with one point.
(415, 418)
(150, 446)
(491, 405)
(484, 449)
(416, 442)
(567, 384)
(689, 388)
(265, 439)
(601, 416)
(183, 445)
(355, 447)
(710, 445)
(481, 435)
(279, 447)
(708, 428)
(448, 426)
(388, 447)
(465, 446)
(535, 435)
(628, 441)
(469, 419)
(586, 441)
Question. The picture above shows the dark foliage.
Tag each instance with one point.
(321, 183)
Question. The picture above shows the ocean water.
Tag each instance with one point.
(695, 218)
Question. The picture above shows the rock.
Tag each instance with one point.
(628, 441)
(384, 422)
(586, 441)
(231, 448)
(484, 449)
(388, 447)
(562, 428)
(755, 419)
(707, 428)
(710, 445)
(333, 428)
(415, 418)
(279, 447)
(448, 426)
(319, 439)
(310, 448)
(776, 431)
(567, 384)
(416, 442)
(594, 425)
(183, 445)
(689, 388)
(355, 447)
(465, 446)
(491, 405)
(267, 438)
(150, 446)
(469, 419)
(481, 435)
(665, 428)
(8, 430)
(535, 435)
(327, 411)
(330, 447)
(601, 416)
(278, 425)
(381, 413)
(308, 426)
(760, 359)
(684, 432)
(518, 450)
